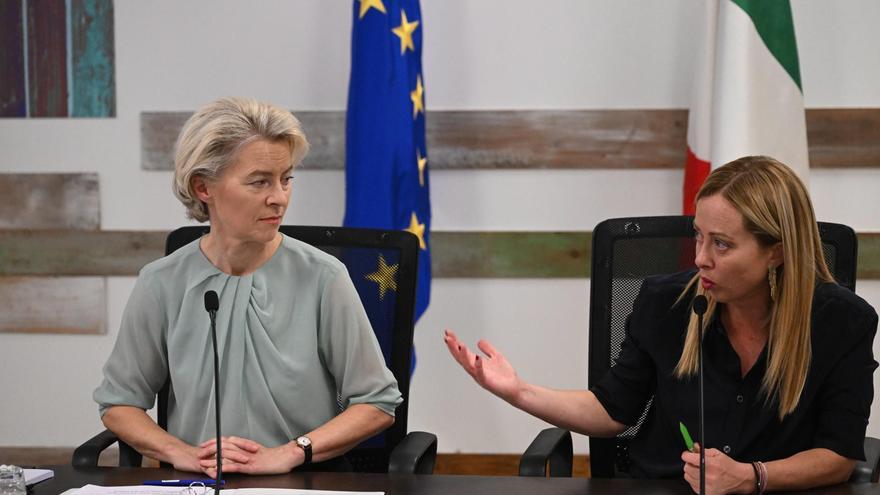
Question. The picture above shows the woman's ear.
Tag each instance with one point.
(200, 187)
(777, 254)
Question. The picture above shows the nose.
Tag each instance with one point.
(278, 195)
(703, 255)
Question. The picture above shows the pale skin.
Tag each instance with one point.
(733, 267)
(246, 205)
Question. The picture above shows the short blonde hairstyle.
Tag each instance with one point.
(212, 137)
(776, 208)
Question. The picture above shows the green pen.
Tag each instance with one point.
(689, 443)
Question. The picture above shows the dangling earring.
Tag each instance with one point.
(771, 276)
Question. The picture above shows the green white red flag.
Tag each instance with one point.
(747, 96)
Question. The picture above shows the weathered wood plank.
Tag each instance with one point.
(564, 139)
(510, 254)
(93, 56)
(12, 91)
(74, 252)
(454, 254)
(47, 58)
(53, 304)
(844, 137)
(50, 201)
(325, 131)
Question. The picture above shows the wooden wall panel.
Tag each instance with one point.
(71, 252)
(93, 56)
(47, 58)
(844, 137)
(325, 131)
(564, 139)
(12, 90)
(53, 304)
(50, 201)
(454, 254)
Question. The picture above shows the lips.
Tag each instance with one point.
(273, 220)
(707, 284)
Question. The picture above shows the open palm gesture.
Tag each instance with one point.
(492, 371)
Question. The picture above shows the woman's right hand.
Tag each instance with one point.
(493, 372)
(187, 458)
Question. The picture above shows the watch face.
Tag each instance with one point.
(303, 442)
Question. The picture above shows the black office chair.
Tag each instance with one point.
(391, 317)
(625, 252)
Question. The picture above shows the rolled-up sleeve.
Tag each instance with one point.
(137, 367)
(350, 350)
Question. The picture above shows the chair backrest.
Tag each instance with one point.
(625, 252)
(391, 312)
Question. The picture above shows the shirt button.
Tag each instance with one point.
(726, 449)
(739, 398)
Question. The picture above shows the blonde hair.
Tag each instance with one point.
(775, 208)
(213, 135)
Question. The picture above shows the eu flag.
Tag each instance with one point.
(386, 159)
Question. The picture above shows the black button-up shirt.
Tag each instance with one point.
(832, 413)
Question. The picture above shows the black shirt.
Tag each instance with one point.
(832, 413)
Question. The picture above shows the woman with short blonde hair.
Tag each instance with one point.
(303, 376)
(212, 137)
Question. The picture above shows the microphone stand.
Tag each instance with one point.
(212, 303)
(700, 306)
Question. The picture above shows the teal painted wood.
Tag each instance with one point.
(47, 58)
(13, 101)
(93, 56)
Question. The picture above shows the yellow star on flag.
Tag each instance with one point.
(385, 275)
(404, 32)
(418, 229)
(423, 162)
(418, 97)
(368, 4)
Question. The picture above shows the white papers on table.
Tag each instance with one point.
(163, 490)
(32, 476)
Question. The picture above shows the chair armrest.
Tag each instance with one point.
(415, 454)
(551, 447)
(87, 454)
(868, 471)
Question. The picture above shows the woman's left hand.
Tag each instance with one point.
(241, 455)
(723, 474)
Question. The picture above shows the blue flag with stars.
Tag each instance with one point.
(386, 159)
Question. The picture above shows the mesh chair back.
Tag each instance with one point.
(383, 266)
(625, 252)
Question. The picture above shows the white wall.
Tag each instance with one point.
(478, 55)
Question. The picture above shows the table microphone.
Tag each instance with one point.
(212, 304)
(700, 306)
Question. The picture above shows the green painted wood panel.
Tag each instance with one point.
(50, 201)
(564, 139)
(93, 57)
(454, 254)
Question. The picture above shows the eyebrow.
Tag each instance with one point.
(266, 173)
(714, 234)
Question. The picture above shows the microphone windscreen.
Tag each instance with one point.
(212, 302)
(700, 304)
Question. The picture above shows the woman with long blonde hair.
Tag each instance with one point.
(788, 358)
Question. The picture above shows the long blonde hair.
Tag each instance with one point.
(775, 208)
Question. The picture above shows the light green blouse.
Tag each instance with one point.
(295, 345)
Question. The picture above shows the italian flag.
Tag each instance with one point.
(747, 97)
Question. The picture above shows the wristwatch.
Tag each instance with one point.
(305, 443)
